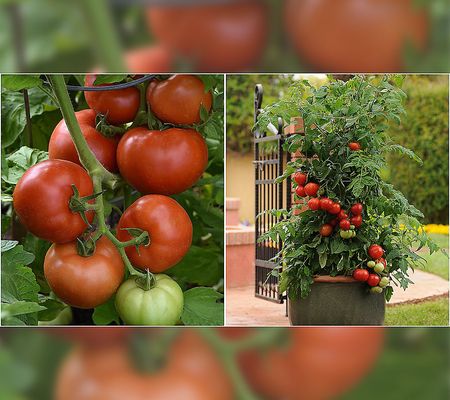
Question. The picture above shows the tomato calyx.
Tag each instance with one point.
(106, 129)
(78, 204)
(86, 247)
(146, 282)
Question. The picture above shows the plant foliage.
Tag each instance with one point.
(334, 115)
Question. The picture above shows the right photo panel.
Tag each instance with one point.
(337, 200)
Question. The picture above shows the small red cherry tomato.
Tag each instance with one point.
(300, 178)
(342, 215)
(311, 188)
(356, 220)
(361, 274)
(344, 224)
(373, 280)
(357, 209)
(314, 204)
(334, 208)
(325, 203)
(300, 191)
(354, 146)
(375, 251)
(326, 230)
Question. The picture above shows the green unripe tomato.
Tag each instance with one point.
(376, 290)
(384, 282)
(371, 264)
(353, 234)
(379, 268)
(162, 304)
(345, 234)
(352, 227)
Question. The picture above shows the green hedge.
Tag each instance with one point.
(425, 130)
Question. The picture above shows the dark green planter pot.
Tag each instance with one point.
(338, 301)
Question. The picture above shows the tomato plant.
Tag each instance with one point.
(75, 230)
(161, 303)
(375, 219)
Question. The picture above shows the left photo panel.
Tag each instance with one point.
(112, 196)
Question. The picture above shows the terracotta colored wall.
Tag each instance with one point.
(240, 256)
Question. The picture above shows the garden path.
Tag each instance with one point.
(243, 308)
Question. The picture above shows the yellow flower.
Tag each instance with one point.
(436, 228)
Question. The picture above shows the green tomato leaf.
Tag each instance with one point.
(20, 82)
(13, 112)
(199, 266)
(102, 79)
(106, 313)
(203, 306)
(20, 308)
(19, 282)
(20, 161)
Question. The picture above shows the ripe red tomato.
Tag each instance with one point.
(354, 36)
(41, 200)
(311, 188)
(314, 204)
(354, 146)
(326, 230)
(325, 203)
(342, 215)
(356, 220)
(156, 59)
(356, 209)
(274, 374)
(162, 162)
(344, 224)
(108, 372)
(300, 191)
(178, 99)
(300, 178)
(361, 274)
(375, 251)
(61, 146)
(335, 208)
(215, 37)
(120, 106)
(168, 226)
(84, 282)
(373, 280)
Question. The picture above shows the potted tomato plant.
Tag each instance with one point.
(353, 240)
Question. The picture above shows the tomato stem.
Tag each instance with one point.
(228, 356)
(107, 42)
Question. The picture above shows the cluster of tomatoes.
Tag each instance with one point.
(156, 163)
(346, 224)
(378, 279)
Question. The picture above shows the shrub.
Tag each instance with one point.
(425, 130)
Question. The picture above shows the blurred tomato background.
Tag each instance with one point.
(160, 363)
(225, 35)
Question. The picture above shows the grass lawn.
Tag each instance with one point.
(437, 263)
(427, 313)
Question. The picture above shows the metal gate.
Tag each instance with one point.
(269, 162)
